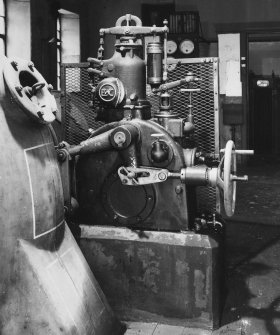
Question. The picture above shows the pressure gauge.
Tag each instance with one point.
(186, 47)
(171, 47)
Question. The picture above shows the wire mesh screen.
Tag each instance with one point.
(205, 112)
(78, 114)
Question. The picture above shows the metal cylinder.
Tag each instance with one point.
(154, 63)
(45, 281)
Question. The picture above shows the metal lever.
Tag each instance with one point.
(95, 61)
(165, 87)
(239, 178)
(91, 70)
(240, 152)
(132, 176)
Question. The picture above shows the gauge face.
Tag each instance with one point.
(186, 47)
(171, 47)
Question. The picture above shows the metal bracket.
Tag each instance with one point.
(133, 176)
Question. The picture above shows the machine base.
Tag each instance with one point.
(154, 276)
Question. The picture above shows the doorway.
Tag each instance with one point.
(264, 93)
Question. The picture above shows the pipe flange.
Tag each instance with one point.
(30, 90)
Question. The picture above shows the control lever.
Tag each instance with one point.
(92, 71)
(133, 176)
(168, 86)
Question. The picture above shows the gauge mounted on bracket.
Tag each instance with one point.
(187, 46)
(171, 47)
(183, 45)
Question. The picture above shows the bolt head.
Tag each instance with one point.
(162, 176)
(14, 65)
(18, 88)
(178, 189)
(31, 66)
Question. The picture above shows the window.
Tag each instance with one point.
(68, 39)
(2, 27)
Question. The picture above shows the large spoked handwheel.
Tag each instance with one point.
(227, 177)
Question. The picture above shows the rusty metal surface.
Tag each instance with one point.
(46, 287)
(157, 276)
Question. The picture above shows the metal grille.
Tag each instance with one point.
(78, 116)
(205, 112)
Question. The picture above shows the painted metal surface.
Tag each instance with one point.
(46, 286)
(155, 206)
(165, 277)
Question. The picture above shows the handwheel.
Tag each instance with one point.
(227, 177)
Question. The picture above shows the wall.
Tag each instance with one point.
(215, 15)
(18, 29)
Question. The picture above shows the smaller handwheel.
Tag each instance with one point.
(227, 177)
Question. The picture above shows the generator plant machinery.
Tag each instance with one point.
(140, 171)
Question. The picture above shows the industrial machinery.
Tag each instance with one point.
(141, 171)
(152, 162)
(46, 284)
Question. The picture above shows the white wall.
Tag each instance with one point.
(18, 29)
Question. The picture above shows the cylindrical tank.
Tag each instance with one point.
(129, 68)
(46, 286)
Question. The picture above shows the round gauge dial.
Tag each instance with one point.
(171, 47)
(186, 47)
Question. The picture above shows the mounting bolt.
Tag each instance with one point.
(178, 189)
(40, 114)
(124, 181)
(31, 66)
(14, 65)
(61, 155)
(19, 89)
(50, 87)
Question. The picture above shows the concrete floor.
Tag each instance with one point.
(252, 300)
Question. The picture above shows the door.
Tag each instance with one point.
(264, 93)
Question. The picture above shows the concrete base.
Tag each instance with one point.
(172, 278)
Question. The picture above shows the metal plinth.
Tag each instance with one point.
(165, 277)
